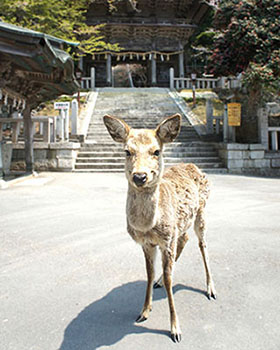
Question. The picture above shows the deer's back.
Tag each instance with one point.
(184, 190)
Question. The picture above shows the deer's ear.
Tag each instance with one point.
(169, 128)
(117, 128)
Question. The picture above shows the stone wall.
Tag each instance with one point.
(60, 156)
(249, 159)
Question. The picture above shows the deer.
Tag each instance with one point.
(162, 205)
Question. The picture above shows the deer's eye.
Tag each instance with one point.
(128, 154)
(157, 152)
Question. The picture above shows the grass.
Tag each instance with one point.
(200, 108)
(47, 108)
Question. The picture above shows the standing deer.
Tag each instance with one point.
(161, 206)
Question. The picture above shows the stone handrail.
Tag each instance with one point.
(274, 131)
(47, 127)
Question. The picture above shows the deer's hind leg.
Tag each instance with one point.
(200, 230)
(149, 252)
(181, 242)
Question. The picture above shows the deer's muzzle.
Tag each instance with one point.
(139, 179)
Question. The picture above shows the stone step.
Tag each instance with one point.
(100, 170)
(113, 165)
(118, 148)
(140, 109)
(172, 145)
(84, 160)
(166, 154)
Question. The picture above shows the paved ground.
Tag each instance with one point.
(72, 279)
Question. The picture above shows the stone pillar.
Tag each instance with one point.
(171, 76)
(181, 65)
(154, 70)
(92, 78)
(225, 123)
(74, 117)
(263, 127)
(209, 116)
(66, 124)
(81, 64)
(60, 125)
(28, 138)
(109, 70)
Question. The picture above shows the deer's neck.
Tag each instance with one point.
(142, 208)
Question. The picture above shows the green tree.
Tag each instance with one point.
(65, 19)
(248, 42)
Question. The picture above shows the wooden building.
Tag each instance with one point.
(152, 35)
(33, 68)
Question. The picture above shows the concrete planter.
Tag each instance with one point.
(6, 150)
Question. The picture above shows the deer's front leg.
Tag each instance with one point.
(168, 263)
(149, 252)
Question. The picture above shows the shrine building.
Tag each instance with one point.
(152, 35)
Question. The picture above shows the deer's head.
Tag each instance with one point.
(143, 148)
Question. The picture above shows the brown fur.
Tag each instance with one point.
(162, 209)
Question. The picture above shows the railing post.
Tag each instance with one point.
(153, 70)
(209, 116)
(46, 131)
(263, 133)
(171, 76)
(181, 65)
(74, 116)
(92, 78)
(66, 124)
(274, 140)
(109, 70)
(225, 124)
(60, 125)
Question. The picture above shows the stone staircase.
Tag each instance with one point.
(140, 108)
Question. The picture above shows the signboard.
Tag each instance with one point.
(61, 105)
(234, 114)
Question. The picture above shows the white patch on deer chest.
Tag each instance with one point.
(142, 210)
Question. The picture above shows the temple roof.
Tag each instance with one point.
(33, 65)
(163, 25)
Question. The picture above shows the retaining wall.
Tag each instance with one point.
(249, 159)
(59, 156)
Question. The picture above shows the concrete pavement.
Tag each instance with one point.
(72, 279)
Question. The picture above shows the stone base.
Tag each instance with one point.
(6, 150)
(249, 159)
(59, 156)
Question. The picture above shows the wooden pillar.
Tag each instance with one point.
(28, 139)
(109, 70)
(181, 65)
(154, 70)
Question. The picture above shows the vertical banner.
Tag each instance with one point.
(234, 114)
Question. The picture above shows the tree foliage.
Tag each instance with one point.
(65, 19)
(248, 42)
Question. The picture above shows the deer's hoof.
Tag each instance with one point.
(140, 319)
(157, 285)
(211, 295)
(176, 337)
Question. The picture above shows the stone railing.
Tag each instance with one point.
(199, 83)
(88, 83)
(204, 83)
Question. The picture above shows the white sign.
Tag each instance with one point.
(61, 105)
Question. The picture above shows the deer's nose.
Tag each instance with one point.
(139, 179)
